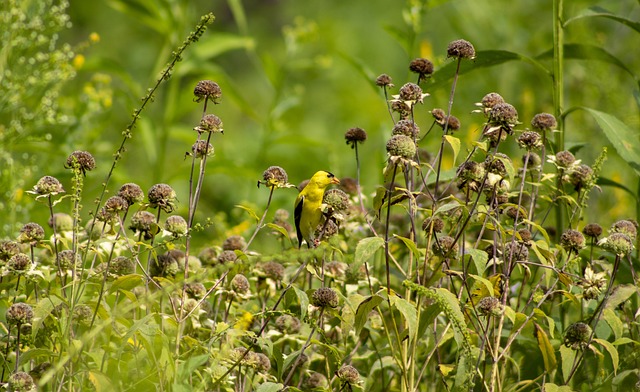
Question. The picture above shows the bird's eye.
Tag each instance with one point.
(330, 175)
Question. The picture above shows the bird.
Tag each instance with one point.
(307, 211)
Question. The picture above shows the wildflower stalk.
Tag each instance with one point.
(261, 222)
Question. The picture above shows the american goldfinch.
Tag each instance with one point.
(307, 212)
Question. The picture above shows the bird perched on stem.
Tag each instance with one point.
(308, 212)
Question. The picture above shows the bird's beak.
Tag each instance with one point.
(335, 180)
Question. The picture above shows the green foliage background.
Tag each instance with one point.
(296, 76)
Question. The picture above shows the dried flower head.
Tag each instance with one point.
(315, 380)
(19, 313)
(21, 382)
(516, 251)
(207, 90)
(348, 374)
(577, 336)
(525, 235)
(580, 176)
(384, 80)
(272, 270)
(275, 177)
(349, 185)
(444, 247)
(240, 284)
(490, 100)
(163, 197)
(262, 364)
(121, 266)
(433, 225)
(593, 283)
(544, 122)
(165, 265)
(337, 199)
(355, 135)
(82, 315)
(503, 114)
(201, 149)
(144, 222)
(530, 140)
(8, 249)
(19, 262)
(131, 193)
(324, 297)
(423, 67)
(336, 269)
(234, 242)
(288, 324)
(67, 259)
(195, 290)
(402, 146)
(227, 256)
(48, 185)
(81, 160)
(31, 233)
(176, 225)
(565, 159)
(115, 205)
(461, 49)
(411, 93)
(407, 128)
(532, 159)
(625, 227)
(592, 230)
(572, 240)
(210, 123)
(617, 243)
(490, 306)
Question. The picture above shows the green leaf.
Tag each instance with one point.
(548, 353)
(619, 295)
(304, 301)
(599, 12)
(279, 229)
(623, 138)
(409, 244)
(100, 381)
(614, 184)
(250, 211)
(187, 367)
(567, 355)
(126, 283)
(480, 259)
(42, 310)
(270, 387)
(551, 387)
(587, 52)
(222, 42)
(365, 249)
(617, 326)
(454, 142)
(409, 312)
(613, 352)
(365, 307)
(447, 207)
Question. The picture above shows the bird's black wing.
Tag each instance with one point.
(297, 215)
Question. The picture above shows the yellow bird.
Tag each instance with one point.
(307, 212)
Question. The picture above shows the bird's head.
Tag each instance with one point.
(323, 179)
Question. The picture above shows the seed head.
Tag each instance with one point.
(617, 243)
(163, 197)
(67, 259)
(164, 266)
(195, 290)
(433, 224)
(354, 136)
(272, 270)
(411, 92)
(407, 128)
(21, 382)
(227, 256)
(384, 80)
(577, 336)
(544, 122)
(208, 255)
(401, 108)
(201, 148)
(121, 266)
(423, 67)
(444, 247)
(580, 176)
(402, 146)
(48, 185)
(234, 242)
(207, 90)
(81, 160)
(504, 114)
(8, 249)
(533, 160)
(210, 123)
(176, 225)
(31, 233)
(592, 230)
(131, 193)
(490, 306)
(593, 283)
(572, 240)
(288, 324)
(461, 49)
(490, 100)
(348, 374)
(324, 297)
(315, 381)
(19, 313)
(530, 140)
(275, 177)
(115, 205)
(349, 185)
(335, 269)
(19, 262)
(240, 284)
(516, 251)
(82, 315)
(565, 159)
(144, 222)
(262, 364)
(336, 199)
(625, 227)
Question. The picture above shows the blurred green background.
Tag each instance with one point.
(295, 76)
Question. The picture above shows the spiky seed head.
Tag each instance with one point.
(348, 374)
(19, 313)
(384, 80)
(162, 196)
(355, 135)
(210, 123)
(81, 160)
(227, 256)
(288, 324)
(617, 243)
(207, 90)
(565, 159)
(336, 199)
(572, 240)
(31, 233)
(490, 306)
(402, 146)
(19, 262)
(411, 92)
(544, 122)
(131, 193)
(240, 284)
(201, 148)
(592, 230)
(21, 382)
(577, 336)
(176, 225)
(325, 297)
(461, 49)
(407, 128)
(490, 100)
(275, 177)
(530, 140)
(48, 185)
(625, 227)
